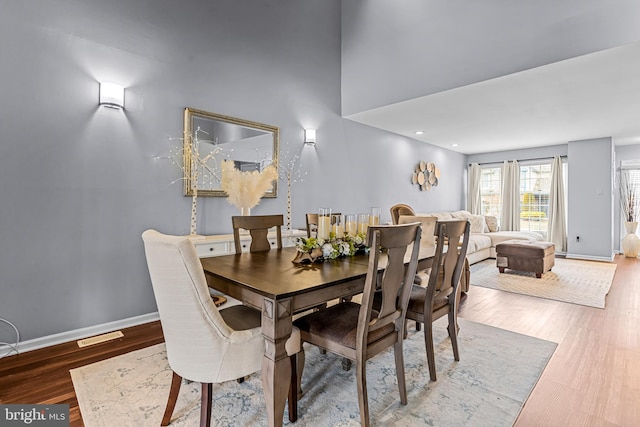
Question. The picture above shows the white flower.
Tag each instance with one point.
(344, 248)
(358, 240)
(327, 250)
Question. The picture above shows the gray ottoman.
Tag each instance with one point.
(524, 255)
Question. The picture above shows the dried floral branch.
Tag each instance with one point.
(291, 171)
(199, 173)
(629, 201)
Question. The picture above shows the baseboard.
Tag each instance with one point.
(89, 331)
(591, 257)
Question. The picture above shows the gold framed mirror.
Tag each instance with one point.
(210, 138)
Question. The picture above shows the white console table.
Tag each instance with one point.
(222, 244)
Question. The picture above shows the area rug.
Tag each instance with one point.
(487, 387)
(574, 281)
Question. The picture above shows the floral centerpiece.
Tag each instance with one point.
(245, 188)
(314, 249)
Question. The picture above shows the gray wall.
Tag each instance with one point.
(420, 47)
(79, 183)
(590, 196)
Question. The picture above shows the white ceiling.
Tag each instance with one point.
(592, 96)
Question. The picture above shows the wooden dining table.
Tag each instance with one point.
(269, 281)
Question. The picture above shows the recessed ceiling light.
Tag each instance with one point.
(454, 145)
(420, 132)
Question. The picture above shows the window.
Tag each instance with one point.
(490, 188)
(535, 184)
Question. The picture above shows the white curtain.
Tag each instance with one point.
(510, 220)
(473, 190)
(557, 226)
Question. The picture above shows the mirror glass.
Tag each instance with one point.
(211, 138)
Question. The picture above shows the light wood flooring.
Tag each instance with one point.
(593, 378)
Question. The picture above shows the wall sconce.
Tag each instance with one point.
(310, 137)
(112, 95)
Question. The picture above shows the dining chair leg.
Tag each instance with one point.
(363, 399)
(346, 363)
(300, 359)
(428, 343)
(176, 381)
(205, 405)
(452, 328)
(399, 357)
(293, 390)
(418, 326)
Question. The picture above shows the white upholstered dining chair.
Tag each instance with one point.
(204, 344)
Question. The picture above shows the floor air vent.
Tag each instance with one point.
(100, 338)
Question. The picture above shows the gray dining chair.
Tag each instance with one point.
(258, 227)
(357, 331)
(441, 296)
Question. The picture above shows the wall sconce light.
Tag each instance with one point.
(310, 137)
(112, 95)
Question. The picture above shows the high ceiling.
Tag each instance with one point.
(592, 96)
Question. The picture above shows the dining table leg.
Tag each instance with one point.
(276, 366)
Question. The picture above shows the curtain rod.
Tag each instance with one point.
(521, 160)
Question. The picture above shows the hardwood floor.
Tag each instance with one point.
(42, 376)
(593, 378)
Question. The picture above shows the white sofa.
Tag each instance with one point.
(482, 241)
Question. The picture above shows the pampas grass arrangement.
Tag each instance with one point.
(246, 188)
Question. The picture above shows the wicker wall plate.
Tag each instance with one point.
(421, 178)
(426, 175)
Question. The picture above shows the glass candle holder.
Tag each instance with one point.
(374, 216)
(324, 223)
(351, 224)
(337, 226)
(363, 223)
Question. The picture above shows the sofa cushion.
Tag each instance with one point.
(460, 214)
(442, 216)
(477, 242)
(480, 223)
(477, 222)
(492, 223)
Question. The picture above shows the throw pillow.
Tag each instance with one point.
(477, 223)
(492, 223)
